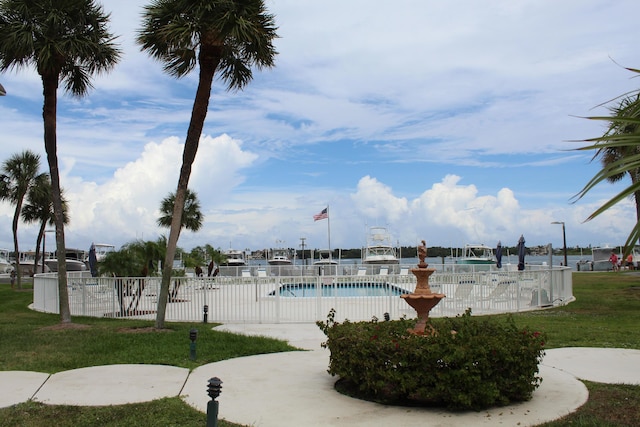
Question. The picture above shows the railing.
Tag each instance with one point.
(271, 299)
(346, 268)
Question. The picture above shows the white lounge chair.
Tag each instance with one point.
(500, 290)
(464, 289)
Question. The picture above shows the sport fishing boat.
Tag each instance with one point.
(75, 260)
(379, 249)
(279, 256)
(477, 254)
(325, 265)
(235, 258)
(5, 264)
(102, 249)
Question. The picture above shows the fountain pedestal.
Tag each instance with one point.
(422, 299)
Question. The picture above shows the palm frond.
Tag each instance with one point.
(619, 151)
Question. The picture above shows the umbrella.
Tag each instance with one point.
(499, 255)
(521, 250)
(93, 261)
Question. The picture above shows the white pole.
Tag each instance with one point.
(329, 229)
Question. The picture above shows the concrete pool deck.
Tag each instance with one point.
(294, 388)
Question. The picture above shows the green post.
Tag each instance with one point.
(193, 336)
(213, 390)
(212, 413)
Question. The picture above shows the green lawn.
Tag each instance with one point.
(606, 313)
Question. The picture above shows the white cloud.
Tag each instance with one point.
(377, 202)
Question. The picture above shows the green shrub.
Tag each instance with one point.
(470, 363)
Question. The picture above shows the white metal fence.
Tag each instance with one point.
(302, 299)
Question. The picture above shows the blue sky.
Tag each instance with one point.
(453, 122)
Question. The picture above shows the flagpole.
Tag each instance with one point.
(329, 230)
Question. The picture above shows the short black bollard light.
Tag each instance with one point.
(205, 312)
(193, 336)
(213, 390)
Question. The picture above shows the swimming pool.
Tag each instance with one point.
(308, 290)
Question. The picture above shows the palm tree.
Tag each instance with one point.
(39, 208)
(66, 41)
(191, 215)
(19, 174)
(215, 255)
(629, 107)
(191, 220)
(225, 35)
(619, 151)
(149, 253)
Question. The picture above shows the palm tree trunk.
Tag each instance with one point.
(49, 115)
(16, 217)
(198, 116)
(43, 224)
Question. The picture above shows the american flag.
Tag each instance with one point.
(322, 215)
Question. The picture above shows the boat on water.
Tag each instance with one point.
(27, 263)
(600, 259)
(476, 254)
(102, 249)
(325, 265)
(379, 249)
(234, 258)
(74, 260)
(5, 265)
(279, 256)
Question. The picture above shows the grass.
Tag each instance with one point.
(606, 313)
(32, 341)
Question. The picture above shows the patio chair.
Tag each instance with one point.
(500, 290)
(464, 289)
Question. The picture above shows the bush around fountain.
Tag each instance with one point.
(468, 363)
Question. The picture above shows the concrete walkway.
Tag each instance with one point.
(294, 388)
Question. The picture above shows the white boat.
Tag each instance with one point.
(5, 264)
(28, 264)
(279, 256)
(325, 265)
(235, 258)
(379, 249)
(74, 260)
(102, 249)
(600, 258)
(477, 254)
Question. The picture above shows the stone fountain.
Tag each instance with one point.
(422, 299)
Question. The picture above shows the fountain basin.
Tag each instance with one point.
(422, 304)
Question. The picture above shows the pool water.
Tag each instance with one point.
(308, 290)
